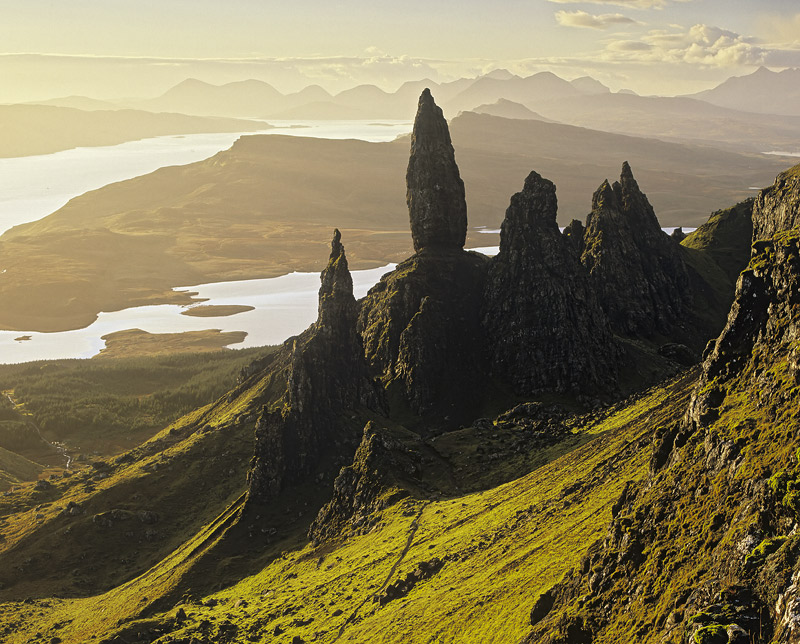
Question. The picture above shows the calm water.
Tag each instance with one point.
(36, 186)
(33, 187)
(284, 306)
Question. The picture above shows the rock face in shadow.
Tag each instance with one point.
(635, 269)
(420, 325)
(435, 196)
(545, 328)
(325, 376)
(365, 487)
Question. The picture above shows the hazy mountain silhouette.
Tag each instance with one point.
(510, 110)
(763, 91)
(42, 129)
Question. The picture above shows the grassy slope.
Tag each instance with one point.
(109, 405)
(15, 468)
(501, 546)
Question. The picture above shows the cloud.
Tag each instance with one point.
(592, 21)
(703, 45)
(632, 4)
(780, 28)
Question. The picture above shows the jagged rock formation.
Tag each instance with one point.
(436, 202)
(635, 269)
(545, 328)
(420, 327)
(325, 375)
(420, 324)
(778, 207)
(366, 487)
(706, 550)
(573, 233)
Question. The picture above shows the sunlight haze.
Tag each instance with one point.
(115, 50)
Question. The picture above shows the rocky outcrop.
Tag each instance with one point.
(545, 329)
(421, 332)
(764, 319)
(366, 487)
(778, 207)
(325, 376)
(635, 269)
(721, 490)
(573, 233)
(435, 196)
(420, 325)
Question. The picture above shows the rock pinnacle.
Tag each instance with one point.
(435, 196)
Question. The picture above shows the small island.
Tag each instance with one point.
(135, 342)
(217, 310)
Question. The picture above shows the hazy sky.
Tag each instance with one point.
(118, 48)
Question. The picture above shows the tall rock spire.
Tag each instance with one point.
(337, 306)
(436, 202)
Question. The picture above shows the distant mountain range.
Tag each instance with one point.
(763, 91)
(759, 112)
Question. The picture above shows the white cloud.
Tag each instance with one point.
(592, 21)
(699, 45)
(633, 4)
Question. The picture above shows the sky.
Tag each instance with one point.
(121, 48)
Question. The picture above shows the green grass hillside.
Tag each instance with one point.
(500, 547)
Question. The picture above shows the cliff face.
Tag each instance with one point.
(706, 548)
(544, 327)
(635, 269)
(777, 208)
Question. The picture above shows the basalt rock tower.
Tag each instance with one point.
(436, 202)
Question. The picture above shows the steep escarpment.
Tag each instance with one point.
(635, 269)
(778, 207)
(545, 328)
(706, 551)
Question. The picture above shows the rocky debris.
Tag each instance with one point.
(325, 375)
(373, 482)
(545, 327)
(423, 570)
(635, 269)
(435, 197)
(777, 208)
(72, 510)
(42, 485)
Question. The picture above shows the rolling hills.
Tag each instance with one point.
(263, 208)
